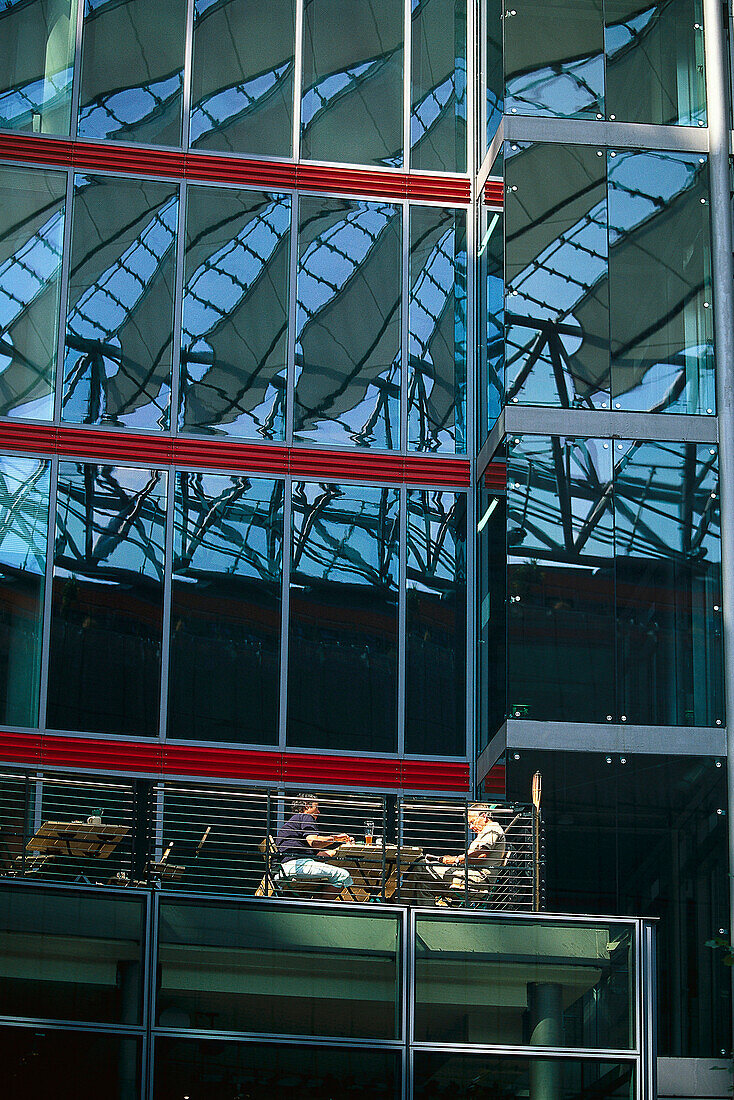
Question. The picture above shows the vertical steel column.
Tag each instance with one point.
(717, 79)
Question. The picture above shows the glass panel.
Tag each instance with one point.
(24, 490)
(352, 100)
(235, 312)
(558, 297)
(32, 206)
(490, 43)
(37, 65)
(484, 1077)
(435, 687)
(660, 283)
(105, 655)
(491, 320)
(225, 608)
(48, 1063)
(61, 801)
(71, 956)
(491, 596)
(560, 565)
(226, 1071)
(348, 322)
(554, 58)
(668, 566)
(437, 337)
(260, 968)
(645, 834)
(655, 63)
(242, 83)
(119, 323)
(438, 104)
(343, 618)
(132, 70)
(480, 980)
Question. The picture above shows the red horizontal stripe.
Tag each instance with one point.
(494, 192)
(93, 754)
(216, 453)
(495, 476)
(177, 164)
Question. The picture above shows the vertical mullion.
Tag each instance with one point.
(402, 614)
(405, 331)
(471, 404)
(178, 308)
(172, 474)
(187, 75)
(297, 81)
(76, 80)
(290, 384)
(285, 608)
(407, 79)
(472, 56)
(47, 595)
(63, 295)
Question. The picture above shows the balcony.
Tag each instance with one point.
(221, 839)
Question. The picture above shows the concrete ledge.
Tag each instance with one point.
(694, 1078)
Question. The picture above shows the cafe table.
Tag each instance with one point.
(375, 868)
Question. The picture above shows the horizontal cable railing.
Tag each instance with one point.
(234, 840)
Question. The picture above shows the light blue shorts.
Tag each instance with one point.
(307, 868)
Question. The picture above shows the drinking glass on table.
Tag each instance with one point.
(369, 831)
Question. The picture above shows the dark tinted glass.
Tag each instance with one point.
(31, 241)
(104, 669)
(225, 608)
(438, 100)
(343, 618)
(648, 835)
(491, 596)
(268, 954)
(437, 337)
(654, 62)
(668, 583)
(352, 99)
(483, 1077)
(132, 70)
(235, 312)
(71, 956)
(560, 579)
(554, 58)
(68, 1065)
(492, 73)
(119, 322)
(491, 320)
(348, 322)
(660, 282)
(36, 65)
(435, 687)
(24, 488)
(557, 294)
(550, 983)
(221, 1071)
(242, 84)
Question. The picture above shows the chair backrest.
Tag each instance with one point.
(267, 844)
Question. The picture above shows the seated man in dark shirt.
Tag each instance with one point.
(299, 837)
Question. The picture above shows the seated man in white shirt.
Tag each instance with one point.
(484, 856)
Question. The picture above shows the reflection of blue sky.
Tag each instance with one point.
(106, 306)
(19, 104)
(229, 526)
(223, 106)
(222, 281)
(430, 294)
(353, 540)
(320, 95)
(334, 256)
(565, 272)
(27, 273)
(127, 521)
(432, 551)
(428, 111)
(114, 113)
(24, 492)
(578, 88)
(619, 35)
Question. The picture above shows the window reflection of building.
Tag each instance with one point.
(106, 624)
(343, 641)
(36, 65)
(235, 312)
(119, 323)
